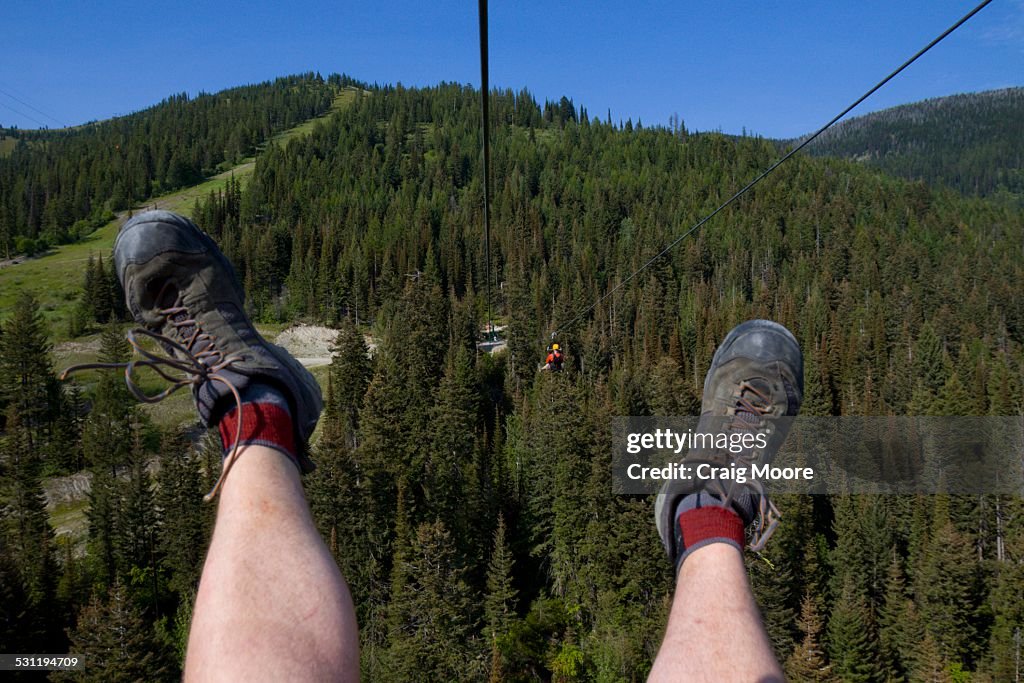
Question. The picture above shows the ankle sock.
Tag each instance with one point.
(266, 421)
(701, 519)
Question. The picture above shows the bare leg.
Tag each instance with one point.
(715, 631)
(272, 605)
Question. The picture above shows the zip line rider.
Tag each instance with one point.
(554, 360)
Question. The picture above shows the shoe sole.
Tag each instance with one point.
(748, 327)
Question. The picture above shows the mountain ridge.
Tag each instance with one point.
(971, 142)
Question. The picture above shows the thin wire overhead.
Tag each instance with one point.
(38, 111)
(485, 123)
(774, 166)
(21, 113)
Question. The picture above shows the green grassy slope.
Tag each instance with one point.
(56, 278)
(7, 146)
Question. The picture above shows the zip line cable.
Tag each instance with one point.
(38, 111)
(485, 117)
(774, 166)
(21, 113)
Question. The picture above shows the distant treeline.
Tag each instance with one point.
(57, 185)
(972, 143)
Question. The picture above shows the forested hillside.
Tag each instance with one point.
(466, 497)
(59, 185)
(972, 142)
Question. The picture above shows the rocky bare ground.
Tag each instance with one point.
(64, 351)
(61, 491)
(64, 498)
(311, 344)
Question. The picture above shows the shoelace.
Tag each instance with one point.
(749, 416)
(198, 367)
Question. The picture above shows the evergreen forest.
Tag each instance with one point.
(466, 497)
(59, 185)
(970, 142)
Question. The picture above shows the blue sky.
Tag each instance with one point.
(778, 69)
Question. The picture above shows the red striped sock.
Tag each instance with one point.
(266, 421)
(702, 519)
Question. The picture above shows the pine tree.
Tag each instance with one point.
(851, 647)
(669, 394)
(109, 429)
(135, 532)
(432, 615)
(102, 293)
(929, 364)
(27, 382)
(1004, 396)
(117, 644)
(350, 375)
(815, 570)
(102, 517)
(895, 637)
(944, 586)
(566, 445)
(108, 435)
(772, 585)
(848, 554)
(352, 523)
(817, 401)
(209, 456)
(182, 537)
(929, 664)
(89, 283)
(114, 290)
(953, 398)
(420, 333)
(75, 581)
(449, 473)
(499, 603)
(28, 535)
(16, 630)
(1006, 642)
(807, 663)
(64, 451)
(386, 445)
(922, 401)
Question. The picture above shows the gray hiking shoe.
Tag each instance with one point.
(183, 291)
(756, 375)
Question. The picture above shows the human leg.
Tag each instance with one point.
(714, 631)
(272, 604)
